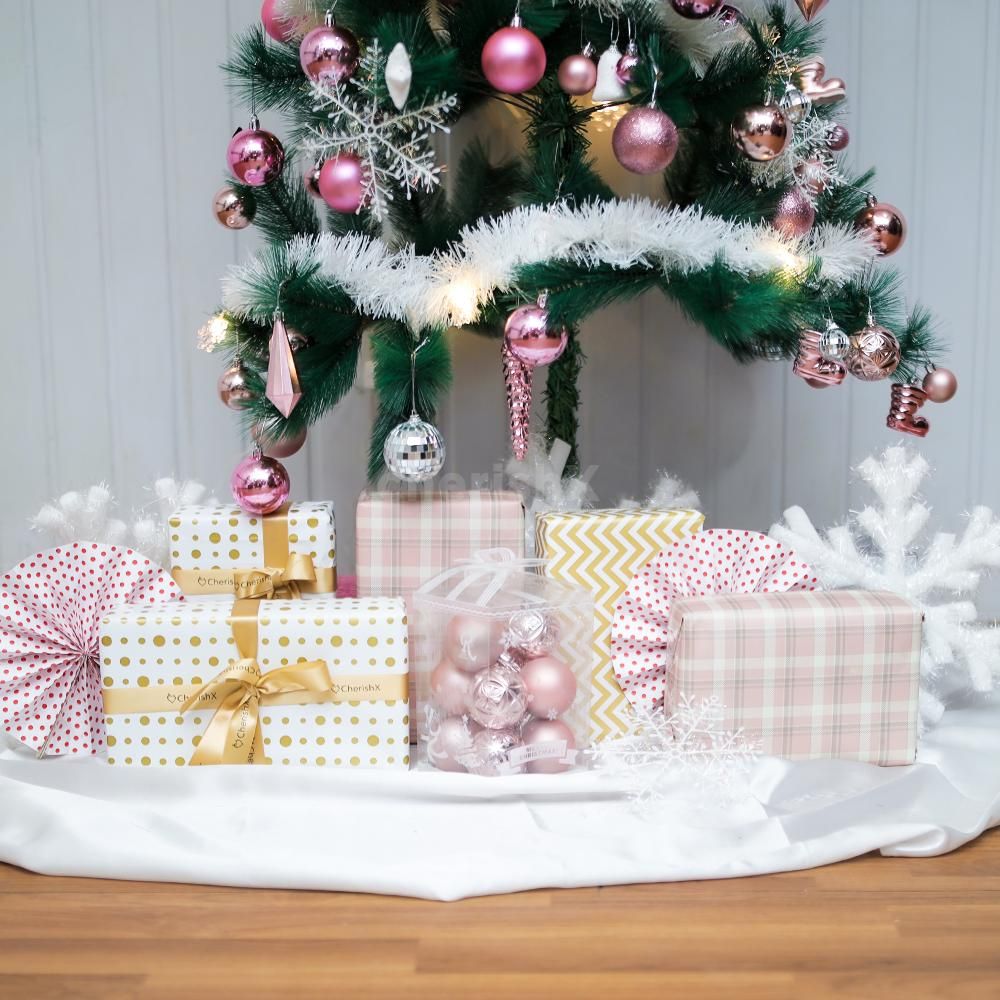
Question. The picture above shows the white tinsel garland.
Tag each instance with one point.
(450, 288)
(878, 549)
(87, 516)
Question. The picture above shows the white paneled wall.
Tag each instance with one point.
(116, 120)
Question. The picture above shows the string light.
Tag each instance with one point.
(214, 332)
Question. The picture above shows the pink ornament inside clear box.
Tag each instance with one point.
(503, 674)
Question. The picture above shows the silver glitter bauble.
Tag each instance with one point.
(834, 343)
(796, 105)
(414, 451)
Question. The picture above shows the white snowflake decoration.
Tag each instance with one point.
(87, 517)
(396, 148)
(687, 748)
(806, 159)
(878, 550)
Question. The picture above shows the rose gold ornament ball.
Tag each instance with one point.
(450, 687)
(233, 388)
(762, 132)
(796, 214)
(276, 446)
(940, 384)
(491, 752)
(577, 74)
(550, 685)
(645, 141)
(548, 731)
(472, 642)
(886, 223)
(874, 354)
(232, 209)
(450, 741)
(839, 138)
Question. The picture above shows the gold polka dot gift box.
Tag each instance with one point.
(319, 682)
(222, 550)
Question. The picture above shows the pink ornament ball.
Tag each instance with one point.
(577, 75)
(342, 183)
(513, 60)
(645, 141)
(491, 750)
(277, 446)
(550, 686)
(839, 138)
(696, 9)
(329, 54)
(625, 69)
(450, 742)
(796, 214)
(473, 642)
(530, 339)
(260, 485)
(548, 731)
(498, 699)
(255, 157)
(940, 384)
(450, 688)
(278, 27)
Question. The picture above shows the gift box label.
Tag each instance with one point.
(223, 550)
(601, 550)
(809, 674)
(156, 660)
(405, 539)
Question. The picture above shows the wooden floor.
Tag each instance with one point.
(871, 928)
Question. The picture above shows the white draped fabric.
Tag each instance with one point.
(447, 836)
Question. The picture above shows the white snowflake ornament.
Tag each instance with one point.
(878, 550)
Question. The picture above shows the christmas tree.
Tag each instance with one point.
(761, 236)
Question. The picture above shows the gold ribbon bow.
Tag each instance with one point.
(269, 582)
(233, 736)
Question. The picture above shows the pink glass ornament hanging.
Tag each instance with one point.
(260, 485)
(329, 54)
(517, 377)
(343, 183)
(280, 28)
(513, 58)
(256, 157)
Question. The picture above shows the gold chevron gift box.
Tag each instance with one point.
(601, 550)
(223, 550)
(320, 682)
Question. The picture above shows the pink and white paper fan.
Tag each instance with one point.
(710, 562)
(51, 607)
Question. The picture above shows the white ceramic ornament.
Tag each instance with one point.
(609, 87)
(398, 75)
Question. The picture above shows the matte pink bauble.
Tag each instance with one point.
(473, 642)
(498, 698)
(279, 447)
(342, 183)
(940, 384)
(450, 741)
(577, 74)
(529, 338)
(260, 485)
(550, 685)
(491, 752)
(839, 138)
(513, 59)
(795, 215)
(645, 141)
(329, 54)
(696, 9)
(450, 687)
(278, 27)
(548, 731)
(255, 157)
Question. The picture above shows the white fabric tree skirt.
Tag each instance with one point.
(445, 836)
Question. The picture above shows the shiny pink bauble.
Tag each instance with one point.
(279, 447)
(342, 183)
(473, 642)
(491, 752)
(625, 69)
(530, 339)
(577, 74)
(839, 138)
(513, 60)
(645, 141)
(696, 9)
(329, 54)
(796, 214)
(278, 27)
(548, 731)
(260, 485)
(940, 384)
(550, 685)
(886, 223)
(498, 698)
(255, 157)
(450, 741)
(730, 15)
(450, 687)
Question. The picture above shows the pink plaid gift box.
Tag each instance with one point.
(809, 674)
(406, 539)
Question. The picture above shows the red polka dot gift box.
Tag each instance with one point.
(805, 673)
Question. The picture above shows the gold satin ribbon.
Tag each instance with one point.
(285, 574)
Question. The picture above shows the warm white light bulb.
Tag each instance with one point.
(213, 333)
(463, 302)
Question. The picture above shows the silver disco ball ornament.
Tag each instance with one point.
(414, 451)
(834, 344)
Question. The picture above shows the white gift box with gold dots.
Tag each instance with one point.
(153, 659)
(208, 543)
